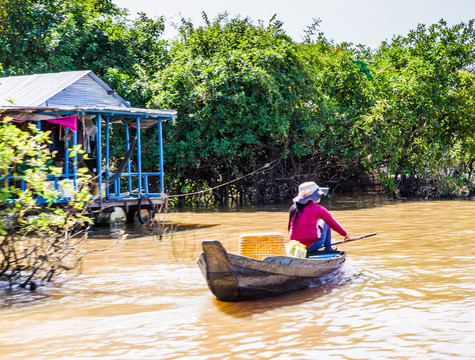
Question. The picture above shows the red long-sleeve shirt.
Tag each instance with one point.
(305, 231)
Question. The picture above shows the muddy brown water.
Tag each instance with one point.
(407, 293)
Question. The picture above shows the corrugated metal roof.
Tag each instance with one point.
(117, 112)
(70, 88)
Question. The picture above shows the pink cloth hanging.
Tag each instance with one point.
(70, 122)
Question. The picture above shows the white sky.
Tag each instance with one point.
(367, 22)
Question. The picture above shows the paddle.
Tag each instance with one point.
(355, 238)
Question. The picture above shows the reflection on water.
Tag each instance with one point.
(332, 201)
(247, 309)
(158, 229)
(407, 293)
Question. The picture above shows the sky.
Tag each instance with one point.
(367, 22)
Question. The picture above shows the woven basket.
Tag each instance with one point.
(260, 245)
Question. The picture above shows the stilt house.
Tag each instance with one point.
(79, 108)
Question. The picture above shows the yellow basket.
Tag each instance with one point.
(260, 245)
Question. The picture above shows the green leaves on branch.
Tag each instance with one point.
(236, 87)
(419, 130)
(37, 241)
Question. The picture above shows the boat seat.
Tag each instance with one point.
(261, 245)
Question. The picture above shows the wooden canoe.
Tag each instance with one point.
(233, 277)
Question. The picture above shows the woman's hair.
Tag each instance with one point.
(295, 211)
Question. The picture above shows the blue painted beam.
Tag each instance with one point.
(139, 156)
(160, 144)
(107, 154)
(127, 142)
(99, 153)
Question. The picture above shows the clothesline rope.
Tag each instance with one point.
(261, 169)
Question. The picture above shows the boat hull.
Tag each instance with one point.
(233, 277)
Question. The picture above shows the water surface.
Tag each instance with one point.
(407, 293)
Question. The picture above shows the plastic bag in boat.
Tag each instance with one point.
(296, 249)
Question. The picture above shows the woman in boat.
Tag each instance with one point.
(310, 223)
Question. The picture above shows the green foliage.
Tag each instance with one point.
(37, 242)
(341, 97)
(247, 96)
(419, 131)
(63, 35)
(138, 54)
(237, 88)
(50, 35)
